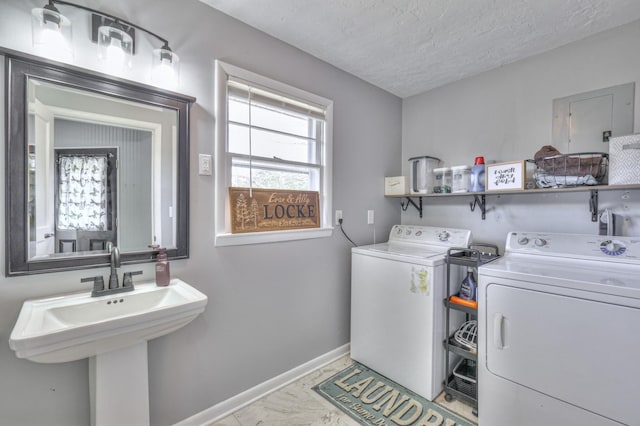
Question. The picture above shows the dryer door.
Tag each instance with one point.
(573, 349)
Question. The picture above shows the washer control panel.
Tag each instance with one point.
(613, 247)
(430, 235)
(578, 246)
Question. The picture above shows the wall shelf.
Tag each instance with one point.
(480, 198)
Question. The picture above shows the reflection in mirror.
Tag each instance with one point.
(102, 162)
(100, 170)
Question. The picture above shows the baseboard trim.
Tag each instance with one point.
(225, 408)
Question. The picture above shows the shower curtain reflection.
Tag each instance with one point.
(86, 182)
(82, 193)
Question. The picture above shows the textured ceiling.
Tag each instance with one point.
(410, 46)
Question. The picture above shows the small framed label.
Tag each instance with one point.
(503, 176)
(261, 210)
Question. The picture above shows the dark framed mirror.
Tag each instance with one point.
(91, 161)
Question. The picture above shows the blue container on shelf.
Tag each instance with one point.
(477, 175)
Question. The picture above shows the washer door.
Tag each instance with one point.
(573, 349)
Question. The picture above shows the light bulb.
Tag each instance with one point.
(165, 70)
(51, 33)
(114, 52)
(115, 48)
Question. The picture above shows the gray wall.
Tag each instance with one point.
(506, 115)
(272, 307)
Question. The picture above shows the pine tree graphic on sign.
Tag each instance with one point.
(246, 214)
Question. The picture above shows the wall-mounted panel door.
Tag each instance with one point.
(589, 119)
(584, 122)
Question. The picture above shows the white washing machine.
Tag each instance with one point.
(558, 318)
(397, 311)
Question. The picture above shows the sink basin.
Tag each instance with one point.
(77, 326)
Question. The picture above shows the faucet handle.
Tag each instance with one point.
(98, 283)
(127, 280)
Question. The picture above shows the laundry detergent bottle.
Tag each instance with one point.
(469, 287)
(477, 176)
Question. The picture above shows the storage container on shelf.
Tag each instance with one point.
(477, 175)
(442, 180)
(624, 157)
(466, 376)
(460, 178)
(421, 172)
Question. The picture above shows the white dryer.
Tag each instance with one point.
(397, 311)
(558, 327)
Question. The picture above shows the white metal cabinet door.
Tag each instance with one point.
(577, 350)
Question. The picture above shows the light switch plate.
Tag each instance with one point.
(204, 165)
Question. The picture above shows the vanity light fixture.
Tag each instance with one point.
(51, 32)
(115, 38)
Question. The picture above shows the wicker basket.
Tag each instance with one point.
(584, 168)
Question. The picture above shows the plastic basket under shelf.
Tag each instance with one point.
(585, 168)
(465, 377)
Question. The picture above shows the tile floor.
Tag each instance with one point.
(297, 404)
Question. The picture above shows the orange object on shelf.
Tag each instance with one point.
(464, 302)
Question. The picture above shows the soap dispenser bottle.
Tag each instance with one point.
(162, 268)
(469, 287)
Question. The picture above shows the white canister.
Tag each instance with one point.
(421, 171)
(442, 180)
(460, 178)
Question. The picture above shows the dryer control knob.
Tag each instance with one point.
(613, 248)
(523, 241)
(444, 236)
(540, 242)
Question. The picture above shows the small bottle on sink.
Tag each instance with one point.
(162, 268)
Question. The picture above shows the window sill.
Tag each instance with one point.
(223, 240)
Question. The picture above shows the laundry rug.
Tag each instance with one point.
(372, 399)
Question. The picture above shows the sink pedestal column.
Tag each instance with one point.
(119, 386)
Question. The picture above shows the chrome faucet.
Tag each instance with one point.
(115, 264)
(113, 286)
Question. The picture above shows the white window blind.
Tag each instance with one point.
(275, 141)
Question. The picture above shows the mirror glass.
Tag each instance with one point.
(100, 170)
(103, 162)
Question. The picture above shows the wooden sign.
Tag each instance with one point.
(273, 210)
(502, 176)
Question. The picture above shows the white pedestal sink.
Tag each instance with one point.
(112, 331)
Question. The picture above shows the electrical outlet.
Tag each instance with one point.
(338, 216)
(369, 217)
(204, 166)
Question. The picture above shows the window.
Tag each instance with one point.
(270, 135)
